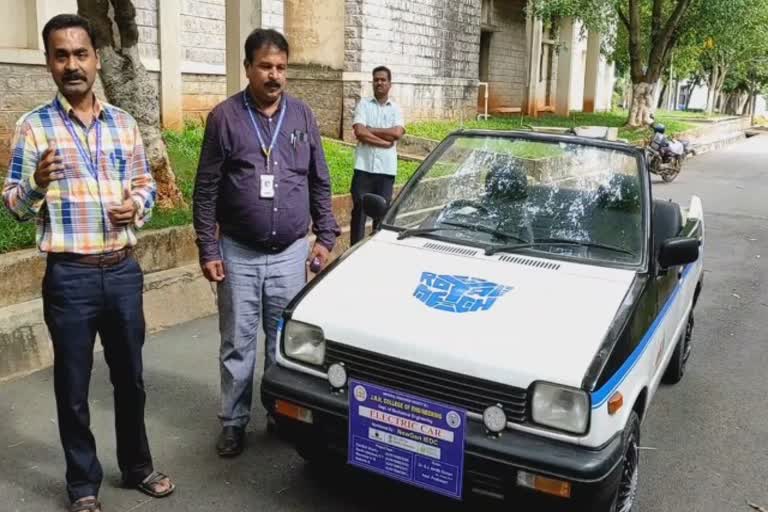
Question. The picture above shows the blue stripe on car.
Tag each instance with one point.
(600, 396)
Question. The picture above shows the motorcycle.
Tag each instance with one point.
(665, 155)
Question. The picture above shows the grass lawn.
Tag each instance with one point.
(437, 130)
(184, 149)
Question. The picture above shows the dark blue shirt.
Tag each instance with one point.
(229, 174)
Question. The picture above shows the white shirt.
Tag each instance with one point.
(371, 113)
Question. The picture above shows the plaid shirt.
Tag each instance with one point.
(71, 213)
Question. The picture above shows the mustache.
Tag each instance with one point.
(73, 76)
(272, 83)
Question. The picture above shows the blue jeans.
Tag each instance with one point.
(80, 301)
(256, 289)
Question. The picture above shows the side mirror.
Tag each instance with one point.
(678, 251)
(375, 207)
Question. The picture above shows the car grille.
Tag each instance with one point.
(449, 388)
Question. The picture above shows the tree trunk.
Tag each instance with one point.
(734, 103)
(642, 105)
(746, 109)
(743, 101)
(753, 108)
(128, 85)
(662, 96)
(712, 90)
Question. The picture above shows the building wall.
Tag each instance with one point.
(316, 31)
(203, 31)
(431, 46)
(200, 93)
(147, 22)
(14, 33)
(699, 99)
(606, 82)
(507, 56)
(272, 14)
(579, 67)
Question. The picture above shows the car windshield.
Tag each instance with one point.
(505, 194)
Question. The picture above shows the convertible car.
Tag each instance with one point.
(504, 330)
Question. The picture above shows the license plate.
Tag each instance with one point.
(406, 438)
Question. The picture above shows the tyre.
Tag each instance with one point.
(626, 494)
(676, 367)
(669, 175)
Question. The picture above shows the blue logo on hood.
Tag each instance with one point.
(458, 294)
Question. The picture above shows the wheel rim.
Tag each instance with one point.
(630, 477)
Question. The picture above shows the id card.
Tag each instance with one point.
(267, 188)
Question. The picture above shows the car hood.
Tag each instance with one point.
(507, 318)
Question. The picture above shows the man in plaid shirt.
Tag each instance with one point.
(78, 167)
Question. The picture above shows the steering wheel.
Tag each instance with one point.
(463, 203)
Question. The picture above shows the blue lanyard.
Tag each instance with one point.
(91, 161)
(266, 150)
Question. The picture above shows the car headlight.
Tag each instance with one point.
(560, 407)
(304, 342)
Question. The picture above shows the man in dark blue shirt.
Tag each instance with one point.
(261, 180)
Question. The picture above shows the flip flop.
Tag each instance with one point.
(85, 505)
(146, 485)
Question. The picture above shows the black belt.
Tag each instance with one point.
(107, 259)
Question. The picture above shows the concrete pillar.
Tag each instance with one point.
(592, 72)
(172, 112)
(565, 64)
(242, 17)
(535, 33)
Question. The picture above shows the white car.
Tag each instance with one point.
(504, 331)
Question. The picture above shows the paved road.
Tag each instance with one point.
(711, 431)
(709, 434)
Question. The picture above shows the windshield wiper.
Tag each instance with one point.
(490, 251)
(458, 226)
(421, 231)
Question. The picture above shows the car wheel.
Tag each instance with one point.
(676, 367)
(626, 494)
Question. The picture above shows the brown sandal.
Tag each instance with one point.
(147, 485)
(89, 504)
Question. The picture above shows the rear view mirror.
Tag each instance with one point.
(374, 207)
(678, 251)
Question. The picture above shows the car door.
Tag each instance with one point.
(667, 223)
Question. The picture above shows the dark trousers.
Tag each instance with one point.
(80, 301)
(366, 183)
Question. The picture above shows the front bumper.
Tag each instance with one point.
(491, 463)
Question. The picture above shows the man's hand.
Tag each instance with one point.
(363, 134)
(125, 213)
(213, 271)
(50, 168)
(392, 135)
(322, 254)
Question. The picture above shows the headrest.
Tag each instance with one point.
(620, 193)
(506, 181)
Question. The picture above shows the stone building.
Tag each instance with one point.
(442, 54)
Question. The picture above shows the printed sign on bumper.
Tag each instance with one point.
(406, 438)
